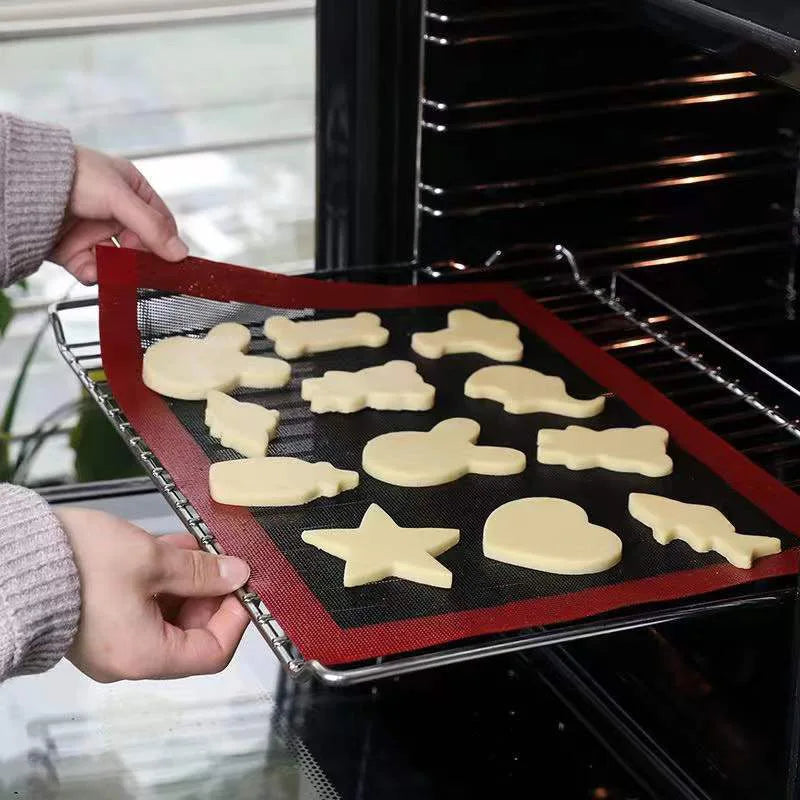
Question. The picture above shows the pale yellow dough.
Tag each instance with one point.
(379, 548)
(276, 481)
(703, 528)
(244, 427)
(642, 450)
(188, 369)
(550, 535)
(448, 451)
(294, 339)
(525, 391)
(394, 386)
(470, 332)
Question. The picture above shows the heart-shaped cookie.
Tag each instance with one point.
(550, 535)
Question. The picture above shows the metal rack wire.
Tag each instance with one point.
(600, 309)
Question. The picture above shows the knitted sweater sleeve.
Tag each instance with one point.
(39, 587)
(37, 165)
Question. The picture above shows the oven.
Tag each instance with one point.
(631, 164)
(634, 166)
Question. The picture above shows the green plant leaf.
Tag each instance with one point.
(6, 312)
(100, 453)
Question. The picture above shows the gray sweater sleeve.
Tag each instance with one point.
(39, 587)
(37, 164)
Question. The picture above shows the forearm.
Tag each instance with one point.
(37, 165)
(39, 585)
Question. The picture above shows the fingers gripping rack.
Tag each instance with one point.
(84, 360)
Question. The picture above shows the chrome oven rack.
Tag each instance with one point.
(600, 309)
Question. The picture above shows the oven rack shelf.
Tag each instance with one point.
(84, 358)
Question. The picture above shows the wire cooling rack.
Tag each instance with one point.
(82, 354)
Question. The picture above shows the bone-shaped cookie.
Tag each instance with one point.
(188, 369)
(244, 427)
(703, 528)
(525, 391)
(276, 481)
(551, 535)
(470, 332)
(642, 449)
(294, 339)
(394, 386)
(441, 455)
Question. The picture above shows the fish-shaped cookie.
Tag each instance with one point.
(702, 527)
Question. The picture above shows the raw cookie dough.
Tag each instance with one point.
(276, 481)
(551, 535)
(448, 451)
(525, 391)
(188, 369)
(470, 332)
(244, 427)
(642, 449)
(703, 528)
(294, 339)
(394, 386)
(379, 548)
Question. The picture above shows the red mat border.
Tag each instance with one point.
(301, 615)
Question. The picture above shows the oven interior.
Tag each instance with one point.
(655, 152)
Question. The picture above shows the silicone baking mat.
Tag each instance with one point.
(143, 299)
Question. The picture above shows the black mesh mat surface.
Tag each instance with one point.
(340, 438)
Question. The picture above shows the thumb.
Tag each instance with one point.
(157, 232)
(193, 573)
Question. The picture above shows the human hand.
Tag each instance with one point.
(110, 197)
(150, 607)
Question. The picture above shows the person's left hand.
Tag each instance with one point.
(110, 197)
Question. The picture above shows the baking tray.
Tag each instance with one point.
(357, 628)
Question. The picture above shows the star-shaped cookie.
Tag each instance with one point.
(380, 548)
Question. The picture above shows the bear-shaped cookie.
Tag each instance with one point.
(394, 386)
(703, 528)
(294, 339)
(642, 450)
(470, 332)
(188, 369)
(441, 455)
(525, 391)
(244, 427)
(276, 481)
(379, 548)
(550, 535)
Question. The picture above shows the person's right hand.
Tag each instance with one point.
(151, 607)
